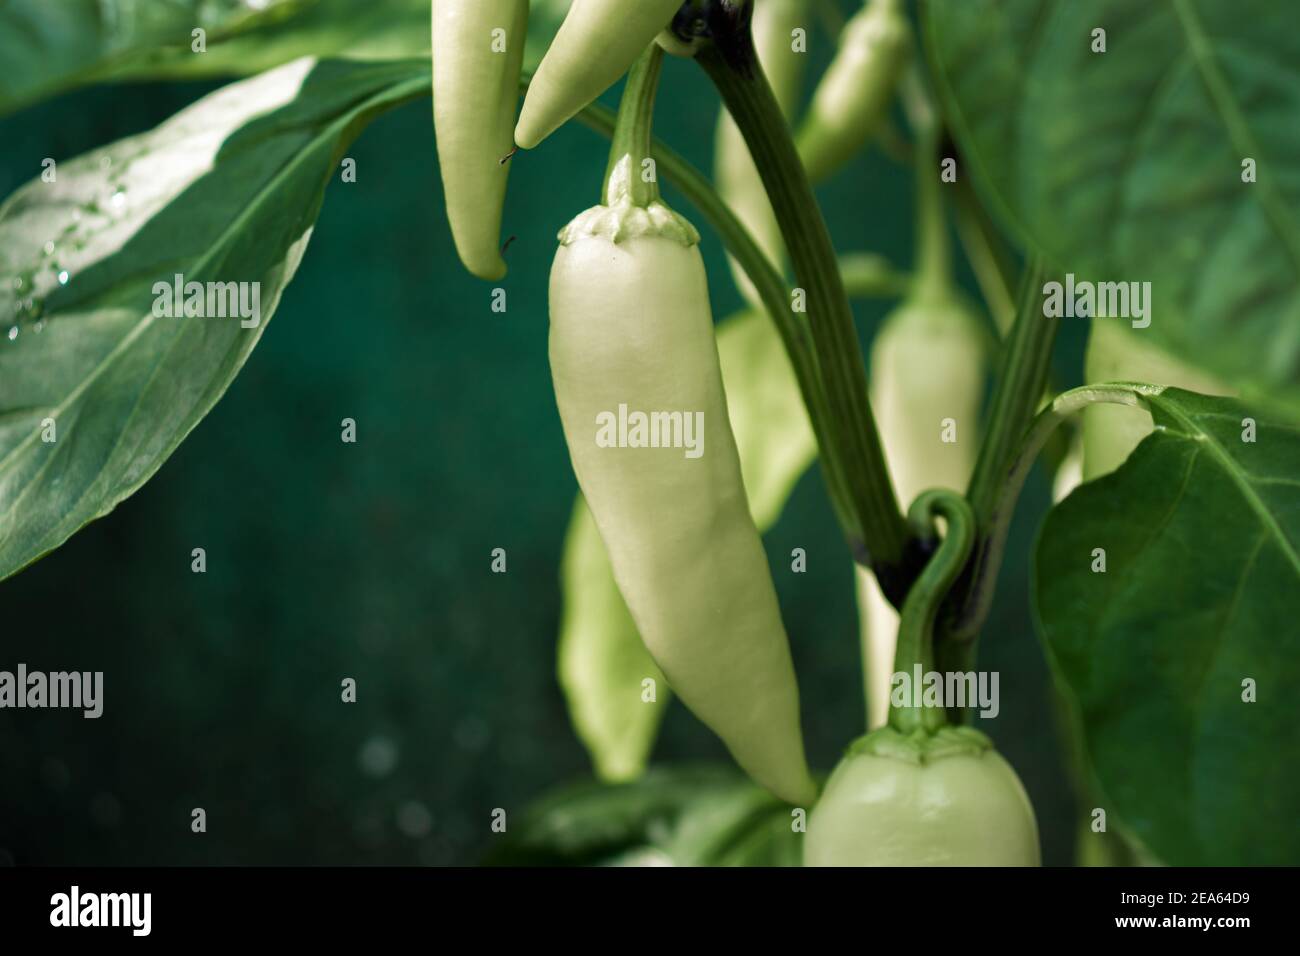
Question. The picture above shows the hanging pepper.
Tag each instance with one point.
(478, 51)
(854, 95)
(631, 335)
(595, 45)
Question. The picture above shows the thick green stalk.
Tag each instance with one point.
(1022, 379)
(730, 61)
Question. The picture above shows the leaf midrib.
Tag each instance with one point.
(1243, 141)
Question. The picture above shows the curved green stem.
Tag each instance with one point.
(731, 63)
(632, 132)
(988, 561)
(916, 623)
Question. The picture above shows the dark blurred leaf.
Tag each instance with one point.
(1127, 165)
(373, 30)
(670, 817)
(48, 46)
(53, 47)
(226, 191)
(1202, 538)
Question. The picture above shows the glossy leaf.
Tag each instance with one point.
(681, 817)
(602, 661)
(225, 191)
(1127, 165)
(1201, 533)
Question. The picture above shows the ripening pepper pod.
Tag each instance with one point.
(631, 334)
(923, 799)
(596, 44)
(478, 51)
(854, 96)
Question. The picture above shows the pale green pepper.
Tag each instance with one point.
(478, 50)
(632, 335)
(854, 96)
(595, 45)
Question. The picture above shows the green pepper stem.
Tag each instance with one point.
(933, 254)
(933, 250)
(1017, 396)
(992, 546)
(916, 648)
(855, 448)
(632, 134)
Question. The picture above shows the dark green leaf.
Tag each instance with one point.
(48, 46)
(1127, 165)
(1201, 532)
(77, 48)
(225, 191)
(373, 30)
(677, 817)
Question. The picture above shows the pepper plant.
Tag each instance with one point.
(1126, 164)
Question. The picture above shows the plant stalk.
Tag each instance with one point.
(1022, 379)
(879, 529)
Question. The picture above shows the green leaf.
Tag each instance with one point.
(1201, 532)
(773, 435)
(225, 191)
(374, 30)
(1127, 165)
(48, 47)
(680, 817)
(77, 48)
(601, 659)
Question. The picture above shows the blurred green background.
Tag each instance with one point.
(328, 560)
